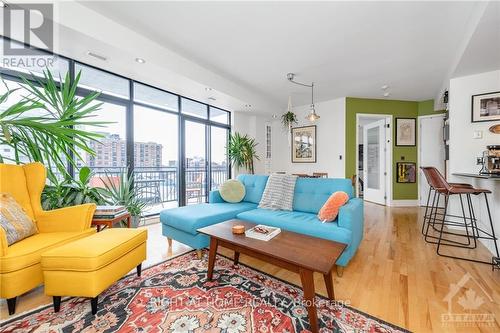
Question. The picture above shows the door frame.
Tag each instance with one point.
(388, 153)
(182, 164)
(419, 154)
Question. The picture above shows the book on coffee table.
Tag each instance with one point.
(262, 232)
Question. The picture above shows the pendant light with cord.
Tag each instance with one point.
(312, 116)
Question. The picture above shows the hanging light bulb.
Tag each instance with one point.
(312, 116)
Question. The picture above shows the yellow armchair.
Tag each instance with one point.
(20, 269)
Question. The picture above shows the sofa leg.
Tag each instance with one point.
(340, 270)
(199, 254)
(11, 305)
(139, 269)
(169, 242)
(93, 304)
(57, 303)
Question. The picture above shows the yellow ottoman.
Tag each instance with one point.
(90, 265)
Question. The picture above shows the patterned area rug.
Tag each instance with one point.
(174, 296)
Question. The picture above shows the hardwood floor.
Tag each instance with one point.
(395, 276)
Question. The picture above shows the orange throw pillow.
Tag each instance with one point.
(330, 209)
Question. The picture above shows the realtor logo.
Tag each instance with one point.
(470, 304)
(29, 23)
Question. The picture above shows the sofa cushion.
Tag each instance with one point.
(312, 193)
(304, 223)
(254, 187)
(28, 251)
(191, 218)
(94, 252)
(232, 190)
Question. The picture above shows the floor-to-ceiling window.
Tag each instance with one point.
(156, 147)
(170, 143)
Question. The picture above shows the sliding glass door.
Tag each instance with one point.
(195, 161)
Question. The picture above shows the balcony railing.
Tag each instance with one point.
(161, 184)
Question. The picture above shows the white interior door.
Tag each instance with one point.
(431, 150)
(374, 162)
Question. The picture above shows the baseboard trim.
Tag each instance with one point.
(404, 203)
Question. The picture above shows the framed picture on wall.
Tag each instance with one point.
(406, 134)
(304, 144)
(406, 172)
(486, 107)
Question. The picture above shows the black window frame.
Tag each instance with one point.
(13, 75)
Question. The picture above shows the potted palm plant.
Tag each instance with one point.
(241, 150)
(124, 192)
(47, 124)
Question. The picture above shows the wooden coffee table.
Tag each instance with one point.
(296, 252)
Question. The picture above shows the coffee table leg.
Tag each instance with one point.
(211, 257)
(236, 258)
(329, 285)
(306, 277)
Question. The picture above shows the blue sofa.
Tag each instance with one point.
(310, 194)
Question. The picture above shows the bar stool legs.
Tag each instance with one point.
(436, 218)
(475, 232)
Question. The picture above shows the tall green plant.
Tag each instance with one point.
(125, 193)
(241, 150)
(47, 124)
(71, 192)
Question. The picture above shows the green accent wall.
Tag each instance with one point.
(403, 109)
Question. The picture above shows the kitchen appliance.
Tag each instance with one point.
(491, 160)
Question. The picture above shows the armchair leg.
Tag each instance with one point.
(199, 254)
(340, 270)
(57, 303)
(169, 242)
(93, 304)
(139, 269)
(11, 305)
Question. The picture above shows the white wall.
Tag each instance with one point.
(464, 149)
(253, 126)
(330, 133)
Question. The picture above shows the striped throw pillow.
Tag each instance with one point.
(14, 221)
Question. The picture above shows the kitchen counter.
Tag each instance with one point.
(477, 175)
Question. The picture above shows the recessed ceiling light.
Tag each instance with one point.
(140, 60)
(248, 105)
(212, 99)
(384, 87)
(208, 89)
(386, 94)
(98, 56)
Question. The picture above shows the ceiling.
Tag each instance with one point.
(235, 54)
(346, 48)
(482, 53)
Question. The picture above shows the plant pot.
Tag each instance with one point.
(135, 221)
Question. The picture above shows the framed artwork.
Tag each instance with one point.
(406, 132)
(304, 144)
(406, 172)
(486, 107)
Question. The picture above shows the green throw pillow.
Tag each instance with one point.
(232, 191)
